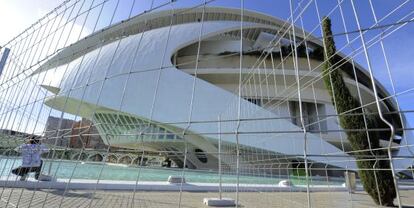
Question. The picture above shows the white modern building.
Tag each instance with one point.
(161, 81)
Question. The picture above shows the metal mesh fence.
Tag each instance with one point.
(166, 103)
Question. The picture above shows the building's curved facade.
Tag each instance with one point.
(138, 81)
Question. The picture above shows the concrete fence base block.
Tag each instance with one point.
(176, 179)
(217, 202)
(285, 183)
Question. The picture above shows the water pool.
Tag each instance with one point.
(88, 170)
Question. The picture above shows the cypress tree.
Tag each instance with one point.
(383, 193)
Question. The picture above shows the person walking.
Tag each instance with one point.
(31, 160)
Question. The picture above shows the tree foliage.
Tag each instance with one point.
(377, 183)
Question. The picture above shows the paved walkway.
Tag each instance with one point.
(19, 197)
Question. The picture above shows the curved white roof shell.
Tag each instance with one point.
(165, 18)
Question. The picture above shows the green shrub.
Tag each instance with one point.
(384, 193)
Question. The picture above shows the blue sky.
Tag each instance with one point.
(16, 15)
